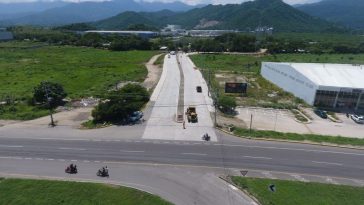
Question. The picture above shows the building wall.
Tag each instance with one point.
(287, 78)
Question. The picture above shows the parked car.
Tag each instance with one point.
(136, 116)
(321, 113)
(358, 119)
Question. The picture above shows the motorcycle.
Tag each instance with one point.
(206, 137)
(72, 169)
(103, 172)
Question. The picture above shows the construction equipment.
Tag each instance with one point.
(191, 114)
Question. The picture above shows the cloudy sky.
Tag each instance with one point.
(192, 2)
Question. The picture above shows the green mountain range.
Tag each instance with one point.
(245, 16)
(346, 12)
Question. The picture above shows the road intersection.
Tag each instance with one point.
(161, 157)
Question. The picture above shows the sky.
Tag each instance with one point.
(192, 2)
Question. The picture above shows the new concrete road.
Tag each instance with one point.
(162, 123)
(161, 157)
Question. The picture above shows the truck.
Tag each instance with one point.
(191, 114)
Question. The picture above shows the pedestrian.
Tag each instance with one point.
(184, 124)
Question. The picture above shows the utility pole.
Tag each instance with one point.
(251, 123)
(49, 104)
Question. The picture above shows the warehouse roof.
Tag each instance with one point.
(332, 75)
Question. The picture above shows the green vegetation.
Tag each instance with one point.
(294, 192)
(299, 116)
(274, 13)
(247, 68)
(160, 60)
(92, 124)
(21, 111)
(227, 104)
(49, 93)
(42, 192)
(82, 72)
(121, 104)
(263, 134)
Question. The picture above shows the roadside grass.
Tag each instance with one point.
(263, 134)
(39, 192)
(299, 116)
(160, 60)
(21, 111)
(83, 72)
(247, 68)
(294, 192)
(91, 124)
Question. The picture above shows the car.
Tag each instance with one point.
(173, 53)
(321, 113)
(133, 118)
(358, 119)
(199, 89)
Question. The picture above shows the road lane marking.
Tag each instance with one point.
(11, 146)
(132, 151)
(291, 149)
(257, 157)
(70, 148)
(197, 154)
(329, 163)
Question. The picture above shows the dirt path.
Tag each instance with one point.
(154, 73)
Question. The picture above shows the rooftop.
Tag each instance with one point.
(332, 75)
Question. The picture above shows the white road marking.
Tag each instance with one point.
(131, 151)
(11, 146)
(257, 157)
(69, 148)
(197, 154)
(97, 161)
(73, 160)
(62, 160)
(28, 158)
(86, 161)
(38, 159)
(5, 157)
(291, 149)
(299, 178)
(329, 163)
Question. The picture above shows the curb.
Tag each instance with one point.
(292, 141)
(226, 179)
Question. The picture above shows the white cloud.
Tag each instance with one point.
(192, 2)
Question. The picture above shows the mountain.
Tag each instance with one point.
(346, 12)
(272, 13)
(88, 11)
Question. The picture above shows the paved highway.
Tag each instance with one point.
(243, 155)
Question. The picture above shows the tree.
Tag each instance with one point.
(227, 104)
(121, 104)
(54, 92)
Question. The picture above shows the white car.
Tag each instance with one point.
(358, 119)
(173, 53)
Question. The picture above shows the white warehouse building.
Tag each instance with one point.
(338, 86)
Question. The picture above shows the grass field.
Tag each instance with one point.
(247, 68)
(82, 71)
(300, 193)
(41, 192)
(265, 134)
